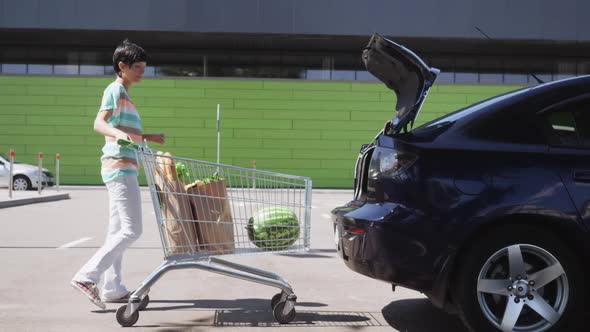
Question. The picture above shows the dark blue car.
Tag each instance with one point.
(485, 210)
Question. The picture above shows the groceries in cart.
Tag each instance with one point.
(198, 214)
(175, 207)
(210, 206)
(203, 200)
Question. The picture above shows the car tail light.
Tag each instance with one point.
(354, 230)
(389, 163)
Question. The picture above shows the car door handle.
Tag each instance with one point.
(582, 176)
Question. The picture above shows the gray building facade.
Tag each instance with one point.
(467, 39)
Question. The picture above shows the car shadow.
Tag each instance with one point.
(419, 315)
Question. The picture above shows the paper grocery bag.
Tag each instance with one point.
(211, 209)
(178, 224)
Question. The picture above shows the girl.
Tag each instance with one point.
(118, 119)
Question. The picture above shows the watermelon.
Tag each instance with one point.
(273, 228)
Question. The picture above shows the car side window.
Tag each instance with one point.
(563, 129)
(570, 125)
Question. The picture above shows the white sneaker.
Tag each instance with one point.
(90, 290)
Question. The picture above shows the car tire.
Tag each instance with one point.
(21, 182)
(488, 290)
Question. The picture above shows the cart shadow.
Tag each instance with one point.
(264, 318)
(254, 318)
(408, 316)
(253, 313)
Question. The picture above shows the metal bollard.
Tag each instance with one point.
(254, 175)
(40, 179)
(57, 158)
(218, 136)
(10, 177)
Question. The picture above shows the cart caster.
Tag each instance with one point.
(277, 312)
(144, 302)
(124, 320)
(275, 299)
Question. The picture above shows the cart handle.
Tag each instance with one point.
(128, 143)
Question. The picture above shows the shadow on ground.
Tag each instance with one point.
(410, 315)
(252, 313)
(419, 315)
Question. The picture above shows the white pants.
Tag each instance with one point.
(125, 226)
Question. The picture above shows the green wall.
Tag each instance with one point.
(298, 127)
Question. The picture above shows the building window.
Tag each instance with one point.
(343, 75)
(92, 70)
(363, 75)
(66, 69)
(491, 78)
(9, 68)
(466, 78)
(518, 79)
(477, 69)
(40, 69)
(446, 77)
(150, 71)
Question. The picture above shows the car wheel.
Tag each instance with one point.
(518, 278)
(21, 182)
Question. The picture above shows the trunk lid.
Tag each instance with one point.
(405, 73)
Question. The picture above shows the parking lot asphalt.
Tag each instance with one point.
(43, 245)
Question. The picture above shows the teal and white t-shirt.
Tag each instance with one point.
(117, 160)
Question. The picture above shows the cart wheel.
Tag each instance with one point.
(275, 299)
(277, 312)
(126, 321)
(144, 302)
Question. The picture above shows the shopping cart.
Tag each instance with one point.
(206, 210)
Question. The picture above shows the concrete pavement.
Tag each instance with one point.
(42, 246)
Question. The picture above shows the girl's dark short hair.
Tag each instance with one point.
(128, 53)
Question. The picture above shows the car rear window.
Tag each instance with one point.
(463, 112)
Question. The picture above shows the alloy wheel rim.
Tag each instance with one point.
(522, 288)
(20, 184)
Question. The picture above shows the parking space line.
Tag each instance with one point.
(73, 243)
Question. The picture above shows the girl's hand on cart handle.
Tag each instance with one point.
(123, 137)
(128, 143)
(124, 140)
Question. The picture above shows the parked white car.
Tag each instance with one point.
(25, 176)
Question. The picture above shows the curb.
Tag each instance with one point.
(33, 200)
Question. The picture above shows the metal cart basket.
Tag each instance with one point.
(207, 210)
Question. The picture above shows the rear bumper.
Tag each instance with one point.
(386, 242)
